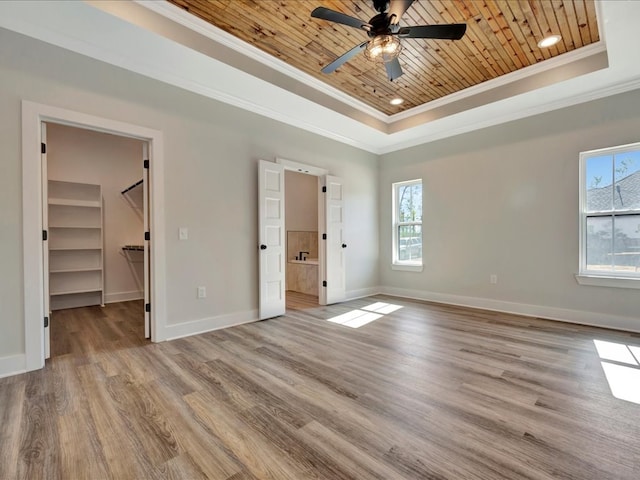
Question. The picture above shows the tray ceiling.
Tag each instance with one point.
(501, 38)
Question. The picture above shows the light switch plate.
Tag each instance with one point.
(183, 233)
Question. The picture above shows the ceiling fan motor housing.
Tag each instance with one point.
(379, 25)
(381, 5)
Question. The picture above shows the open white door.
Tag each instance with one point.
(146, 161)
(271, 239)
(45, 235)
(334, 289)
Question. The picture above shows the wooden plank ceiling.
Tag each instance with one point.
(501, 37)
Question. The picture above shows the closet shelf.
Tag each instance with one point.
(74, 248)
(73, 292)
(75, 203)
(75, 270)
(76, 226)
(135, 185)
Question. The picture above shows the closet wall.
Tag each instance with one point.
(78, 155)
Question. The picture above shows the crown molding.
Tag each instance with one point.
(180, 16)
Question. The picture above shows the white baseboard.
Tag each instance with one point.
(582, 317)
(123, 296)
(361, 293)
(13, 365)
(203, 325)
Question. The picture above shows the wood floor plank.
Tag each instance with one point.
(425, 391)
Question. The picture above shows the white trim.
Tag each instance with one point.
(12, 365)
(396, 263)
(604, 320)
(192, 22)
(124, 296)
(203, 325)
(65, 24)
(32, 116)
(301, 167)
(407, 267)
(606, 281)
(361, 293)
(604, 278)
(504, 80)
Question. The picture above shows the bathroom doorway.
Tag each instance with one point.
(301, 226)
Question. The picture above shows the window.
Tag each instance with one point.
(610, 215)
(407, 225)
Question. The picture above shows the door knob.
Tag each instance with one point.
(344, 245)
(263, 247)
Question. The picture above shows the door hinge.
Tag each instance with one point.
(44, 235)
(145, 164)
(147, 235)
(43, 148)
(46, 322)
(324, 283)
(147, 307)
(324, 236)
(324, 189)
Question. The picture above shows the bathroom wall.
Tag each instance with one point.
(301, 201)
(302, 242)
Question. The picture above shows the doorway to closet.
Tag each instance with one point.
(95, 215)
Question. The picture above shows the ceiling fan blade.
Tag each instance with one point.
(453, 31)
(394, 70)
(338, 17)
(338, 62)
(397, 8)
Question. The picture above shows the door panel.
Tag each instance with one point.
(271, 240)
(335, 242)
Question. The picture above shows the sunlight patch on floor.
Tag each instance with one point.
(620, 364)
(358, 317)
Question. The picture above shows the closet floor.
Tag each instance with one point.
(88, 330)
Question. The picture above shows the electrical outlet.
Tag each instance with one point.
(183, 233)
(493, 279)
(202, 292)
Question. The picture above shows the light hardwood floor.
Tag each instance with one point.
(425, 392)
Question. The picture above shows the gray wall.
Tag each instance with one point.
(211, 154)
(504, 200)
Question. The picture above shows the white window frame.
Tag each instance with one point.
(592, 277)
(397, 264)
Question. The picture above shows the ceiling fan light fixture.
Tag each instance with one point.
(383, 48)
(549, 41)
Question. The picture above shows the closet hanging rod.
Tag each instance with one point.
(139, 182)
(135, 248)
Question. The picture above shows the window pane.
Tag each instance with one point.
(627, 243)
(599, 243)
(599, 180)
(626, 194)
(410, 242)
(410, 203)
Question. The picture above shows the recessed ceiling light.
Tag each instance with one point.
(396, 101)
(549, 41)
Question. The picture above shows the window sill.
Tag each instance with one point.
(407, 267)
(604, 281)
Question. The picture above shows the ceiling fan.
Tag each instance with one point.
(385, 33)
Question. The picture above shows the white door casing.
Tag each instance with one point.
(335, 245)
(33, 114)
(271, 240)
(147, 243)
(45, 244)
